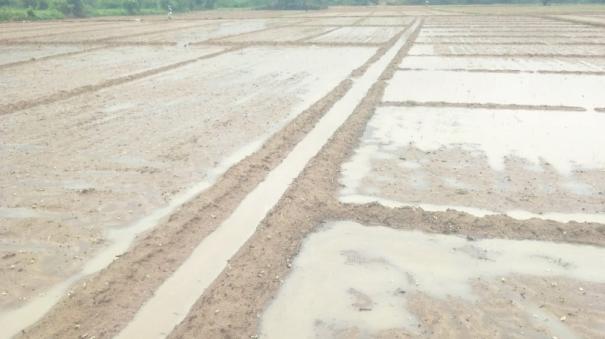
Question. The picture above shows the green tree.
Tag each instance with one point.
(131, 6)
(70, 7)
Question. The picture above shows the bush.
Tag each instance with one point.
(110, 4)
(35, 4)
(48, 14)
(25, 14)
(131, 6)
(166, 3)
(12, 14)
(70, 7)
(77, 8)
(61, 6)
(297, 5)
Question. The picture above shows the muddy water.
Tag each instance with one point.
(172, 301)
(522, 89)
(553, 40)
(350, 278)
(478, 151)
(510, 50)
(497, 133)
(533, 64)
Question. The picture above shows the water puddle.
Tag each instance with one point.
(349, 276)
(565, 140)
(172, 301)
(477, 87)
(513, 63)
(494, 135)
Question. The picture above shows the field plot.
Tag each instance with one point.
(518, 27)
(213, 30)
(42, 82)
(589, 19)
(571, 90)
(359, 35)
(279, 34)
(501, 152)
(512, 28)
(229, 14)
(583, 34)
(519, 49)
(506, 12)
(491, 23)
(17, 33)
(539, 40)
(336, 13)
(13, 54)
(332, 21)
(364, 172)
(513, 64)
(113, 32)
(415, 11)
(387, 21)
(458, 113)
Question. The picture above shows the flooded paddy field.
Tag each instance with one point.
(367, 172)
(380, 282)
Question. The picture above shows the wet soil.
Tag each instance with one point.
(102, 304)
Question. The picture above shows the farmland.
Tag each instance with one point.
(383, 172)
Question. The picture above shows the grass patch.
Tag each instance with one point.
(20, 14)
(123, 12)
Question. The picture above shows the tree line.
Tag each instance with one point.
(32, 9)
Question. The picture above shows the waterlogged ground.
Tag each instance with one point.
(351, 280)
(487, 132)
(483, 161)
(364, 172)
